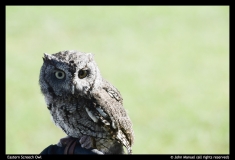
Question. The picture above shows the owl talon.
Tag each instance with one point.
(86, 142)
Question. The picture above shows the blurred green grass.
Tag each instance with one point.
(171, 65)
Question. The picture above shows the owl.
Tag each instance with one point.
(83, 104)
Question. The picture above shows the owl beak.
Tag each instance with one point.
(73, 86)
(74, 83)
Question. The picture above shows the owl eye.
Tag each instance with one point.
(82, 74)
(59, 74)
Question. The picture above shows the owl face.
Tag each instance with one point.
(68, 73)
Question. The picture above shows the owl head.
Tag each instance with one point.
(69, 73)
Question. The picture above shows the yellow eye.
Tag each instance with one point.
(82, 74)
(59, 74)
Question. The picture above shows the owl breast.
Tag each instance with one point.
(71, 116)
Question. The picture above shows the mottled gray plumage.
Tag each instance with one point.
(83, 104)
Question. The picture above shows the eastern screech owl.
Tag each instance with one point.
(83, 104)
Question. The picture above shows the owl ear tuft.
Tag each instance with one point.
(46, 57)
(90, 56)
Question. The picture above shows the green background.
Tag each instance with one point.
(170, 63)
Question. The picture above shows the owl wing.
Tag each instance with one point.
(113, 115)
